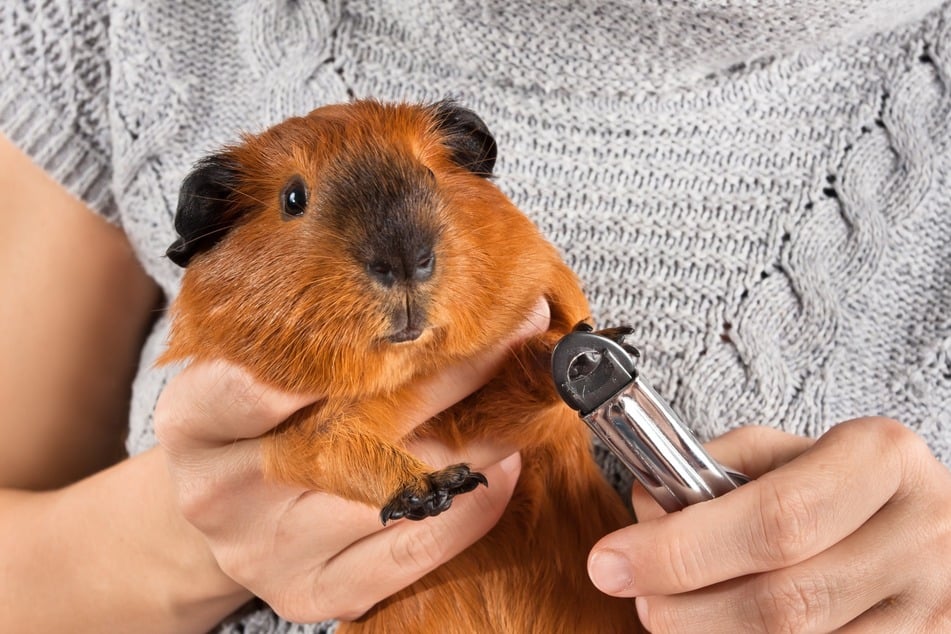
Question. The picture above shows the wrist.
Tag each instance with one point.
(193, 584)
(137, 553)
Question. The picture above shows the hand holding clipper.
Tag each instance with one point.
(595, 373)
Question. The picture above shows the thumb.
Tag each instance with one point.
(215, 403)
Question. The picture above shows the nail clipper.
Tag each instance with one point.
(595, 373)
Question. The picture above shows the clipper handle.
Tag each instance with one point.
(665, 457)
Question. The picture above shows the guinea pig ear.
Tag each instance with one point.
(206, 207)
(467, 137)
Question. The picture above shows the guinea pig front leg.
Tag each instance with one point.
(521, 405)
(337, 456)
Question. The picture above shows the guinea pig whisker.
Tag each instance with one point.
(233, 190)
(247, 195)
(211, 198)
(211, 232)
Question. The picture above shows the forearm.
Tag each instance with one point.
(76, 307)
(108, 553)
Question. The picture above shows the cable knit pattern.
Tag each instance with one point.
(798, 336)
(54, 97)
(760, 187)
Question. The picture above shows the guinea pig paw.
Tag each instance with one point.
(432, 494)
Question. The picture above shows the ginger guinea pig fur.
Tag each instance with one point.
(355, 251)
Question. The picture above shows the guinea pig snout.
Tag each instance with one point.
(400, 272)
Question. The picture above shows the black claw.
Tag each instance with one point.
(617, 333)
(390, 513)
(472, 482)
(631, 350)
(432, 496)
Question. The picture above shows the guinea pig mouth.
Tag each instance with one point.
(405, 335)
(407, 323)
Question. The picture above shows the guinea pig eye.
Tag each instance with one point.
(294, 198)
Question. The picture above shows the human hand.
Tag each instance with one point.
(850, 533)
(310, 555)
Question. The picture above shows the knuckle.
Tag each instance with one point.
(167, 422)
(196, 499)
(236, 564)
(788, 603)
(756, 433)
(901, 447)
(294, 612)
(291, 604)
(191, 504)
(889, 435)
(353, 613)
(788, 523)
(334, 601)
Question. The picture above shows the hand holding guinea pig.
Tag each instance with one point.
(311, 555)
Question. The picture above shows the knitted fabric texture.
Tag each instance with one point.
(760, 188)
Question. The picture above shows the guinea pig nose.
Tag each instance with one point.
(382, 272)
(404, 268)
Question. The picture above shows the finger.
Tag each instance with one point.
(646, 507)
(754, 450)
(820, 594)
(889, 616)
(388, 560)
(214, 403)
(337, 523)
(477, 454)
(750, 450)
(784, 517)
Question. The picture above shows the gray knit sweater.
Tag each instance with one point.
(760, 187)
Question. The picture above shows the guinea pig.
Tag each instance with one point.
(355, 251)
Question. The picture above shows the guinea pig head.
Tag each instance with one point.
(350, 250)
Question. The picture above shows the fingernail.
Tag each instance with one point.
(511, 464)
(610, 571)
(641, 604)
